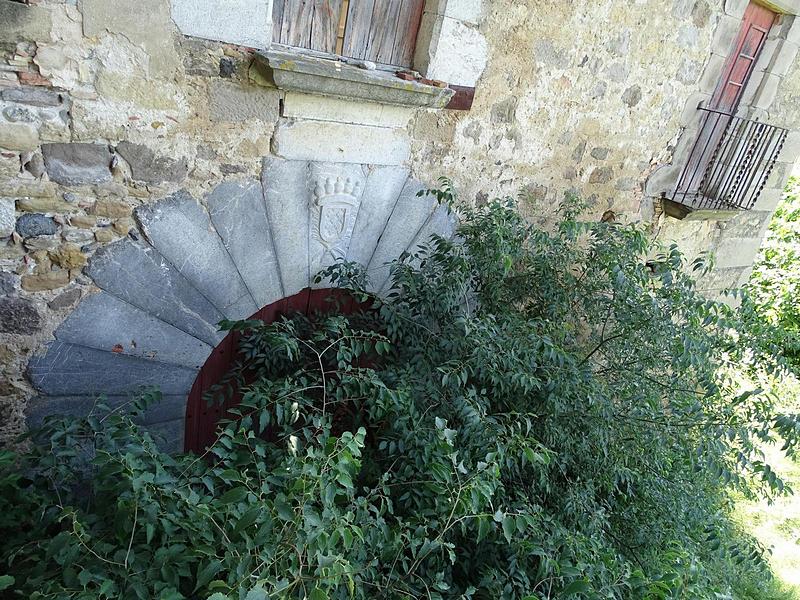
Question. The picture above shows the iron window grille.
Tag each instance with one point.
(730, 162)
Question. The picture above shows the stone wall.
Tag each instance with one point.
(104, 109)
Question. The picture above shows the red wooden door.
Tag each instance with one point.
(202, 418)
(739, 66)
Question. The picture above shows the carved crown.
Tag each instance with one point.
(337, 190)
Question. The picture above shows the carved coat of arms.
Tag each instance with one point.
(334, 209)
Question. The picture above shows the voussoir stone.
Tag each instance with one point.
(35, 224)
(170, 407)
(77, 164)
(287, 193)
(105, 322)
(148, 167)
(180, 229)
(142, 277)
(238, 213)
(18, 315)
(381, 191)
(68, 369)
(409, 215)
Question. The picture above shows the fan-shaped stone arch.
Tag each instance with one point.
(248, 244)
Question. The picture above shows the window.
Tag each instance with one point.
(732, 156)
(382, 31)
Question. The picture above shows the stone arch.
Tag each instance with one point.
(249, 244)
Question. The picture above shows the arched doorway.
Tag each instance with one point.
(201, 417)
(152, 322)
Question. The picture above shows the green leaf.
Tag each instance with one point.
(317, 594)
(509, 526)
(576, 587)
(6, 581)
(207, 573)
(237, 494)
(247, 519)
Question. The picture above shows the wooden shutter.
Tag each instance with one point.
(739, 67)
(383, 31)
(306, 23)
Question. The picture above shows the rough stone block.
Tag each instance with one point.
(767, 91)
(791, 147)
(288, 193)
(51, 280)
(792, 30)
(409, 215)
(322, 108)
(18, 136)
(784, 58)
(35, 224)
(243, 22)
(736, 252)
(7, 217)
(18, 315)
(239, 215)
(736, 8)
(711, 74)
(67, 369)
(113, 209)
(457, 54)
(340, 142)
(148, 26)
(20, 21)
(77, 164)
(34, 96)
(234, 103)
(381, 191)
(65, 300)
(181, 231)
(9, 283)
(142, 277)
(468, 11)
(105, 322)
(48, 205)
(725, 34)
(148, 167)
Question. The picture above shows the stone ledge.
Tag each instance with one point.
(296, 72)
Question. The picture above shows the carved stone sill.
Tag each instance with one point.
(293, 71)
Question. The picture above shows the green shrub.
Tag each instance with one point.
(774, 287)
(529, 414)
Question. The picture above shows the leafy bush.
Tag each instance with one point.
(529, 414)
(774, 287)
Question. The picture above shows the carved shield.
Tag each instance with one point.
(332, 222)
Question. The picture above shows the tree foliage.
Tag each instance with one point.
(774, 287)
(529, 414)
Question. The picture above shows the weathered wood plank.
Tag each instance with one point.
(324, 25)
(405, 39)
(277, 20)
(356, 35)
(380, 45)
(296, 23)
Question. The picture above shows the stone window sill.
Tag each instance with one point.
(298, 72)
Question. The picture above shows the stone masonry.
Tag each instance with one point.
(141, 149)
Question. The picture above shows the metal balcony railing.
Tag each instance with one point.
(729, 163)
